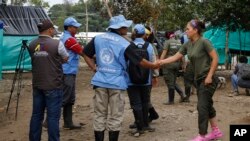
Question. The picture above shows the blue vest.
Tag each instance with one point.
(71, 67)
(110, 60)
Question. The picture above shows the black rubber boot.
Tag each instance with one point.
(138, 119)
(180, 92)
(99, 135)
(153, 115)
(113, 135)
(146, 126)
(170, 96)
(133, 125)
(67, 117)
(187, 92)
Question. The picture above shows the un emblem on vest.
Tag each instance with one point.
(107, 56)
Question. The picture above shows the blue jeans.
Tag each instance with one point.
(52, 100)
(234, 81)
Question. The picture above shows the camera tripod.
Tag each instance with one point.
(18, 76)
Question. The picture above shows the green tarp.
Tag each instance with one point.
(1, 45)
(11, 51)
(238, 42)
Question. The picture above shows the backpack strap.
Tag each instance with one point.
(145, 45)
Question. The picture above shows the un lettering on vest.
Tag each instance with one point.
(110, 37)
(105, 69)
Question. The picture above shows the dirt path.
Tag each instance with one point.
(176, 123)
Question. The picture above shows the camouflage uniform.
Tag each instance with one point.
(188, 78)
(198, 53)
(170, 70)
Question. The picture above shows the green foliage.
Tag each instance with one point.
(39, 3)
(17, 2)
(96, 21)
(140, 11)
(164, 15)
(176, 13)
(233, 13)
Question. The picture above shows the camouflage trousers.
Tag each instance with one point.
(205, 107)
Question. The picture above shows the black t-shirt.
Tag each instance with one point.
(129, 53)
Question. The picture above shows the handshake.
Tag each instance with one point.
(157, 64)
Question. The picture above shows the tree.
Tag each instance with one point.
(176, 13)
(39, 3)
(31, 2)
(234, 14)
(140, 11)
(18, 2)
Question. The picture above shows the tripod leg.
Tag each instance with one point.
(19, 86)
(11, 91)
(15, 78)
(20, 78)
(18, 75)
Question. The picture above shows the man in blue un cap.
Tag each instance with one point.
(70, 70)
(139, 88)
(110, 81)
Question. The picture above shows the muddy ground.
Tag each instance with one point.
(177, 122)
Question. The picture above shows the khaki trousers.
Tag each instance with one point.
(108, 109)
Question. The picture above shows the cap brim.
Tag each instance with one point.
(126, 23)
(77, 25)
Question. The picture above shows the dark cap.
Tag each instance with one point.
(44, 25)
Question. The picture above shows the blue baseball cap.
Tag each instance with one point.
(139, 29)
(119, 21)
(70, 21)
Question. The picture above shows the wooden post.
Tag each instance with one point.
(108, 8)
(87, 21)
(226, 50)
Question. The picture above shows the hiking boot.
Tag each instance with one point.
(215, 134)
(199, 138)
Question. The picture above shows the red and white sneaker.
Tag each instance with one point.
(215, 134)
